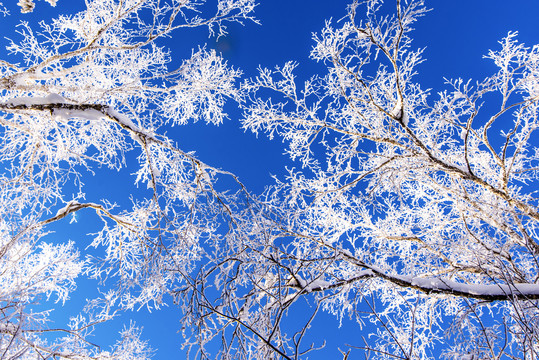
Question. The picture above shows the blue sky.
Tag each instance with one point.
(456, 35)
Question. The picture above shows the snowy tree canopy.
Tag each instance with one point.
(93, 87)
(412, 210)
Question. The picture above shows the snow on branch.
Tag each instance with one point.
(57, 106)
(490, 292)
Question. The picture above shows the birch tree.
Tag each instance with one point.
(82, 93)
(411, 210)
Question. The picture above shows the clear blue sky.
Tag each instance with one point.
(456, 34)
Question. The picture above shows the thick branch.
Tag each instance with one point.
(492, 292)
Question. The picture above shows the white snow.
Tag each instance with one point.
(37, 100)
(88, 114)
(122, 119)
(474, 289)
(396, 112)
(67, 208)
(317, 284)
(405, 118)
